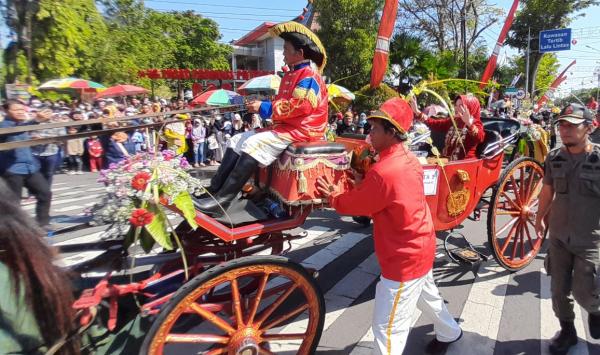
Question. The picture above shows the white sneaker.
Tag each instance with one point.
(79, 173)
(70, 172)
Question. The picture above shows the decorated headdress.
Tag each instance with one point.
(302, 37)
(397, 112)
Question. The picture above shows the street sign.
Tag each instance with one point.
(555, 40)
(18, 91)
(510, 91)
(520, 94)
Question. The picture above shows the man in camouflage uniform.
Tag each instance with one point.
(571, 196)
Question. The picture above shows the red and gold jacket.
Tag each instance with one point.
(299, 111)
(402, 225)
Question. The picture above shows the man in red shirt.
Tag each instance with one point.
(392, 194)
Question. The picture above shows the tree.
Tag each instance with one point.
(538, 15)
(438, 22)
(65, 38)
(348, 30)
(19, 19)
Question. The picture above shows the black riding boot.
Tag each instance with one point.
(227, 164)
(565, 339)
(594, 323)
(240, 174)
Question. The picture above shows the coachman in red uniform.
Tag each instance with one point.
(299, 114)
(392, 194)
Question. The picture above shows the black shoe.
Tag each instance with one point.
(565, 339)
(439, 347)
(594, 323)
(243, 170)
(227, 164)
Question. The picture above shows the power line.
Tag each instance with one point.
(222, 13)
(220, 5)
(266, 19)
(221, 17)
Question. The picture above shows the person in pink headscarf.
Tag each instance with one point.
(461, 142)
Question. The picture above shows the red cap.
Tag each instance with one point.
(339, 115)
(397, 112)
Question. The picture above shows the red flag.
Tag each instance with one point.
(559, 80)
(382, 49)
(491, 65)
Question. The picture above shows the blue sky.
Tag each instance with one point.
(237, 17)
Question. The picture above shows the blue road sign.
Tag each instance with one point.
(555, 40)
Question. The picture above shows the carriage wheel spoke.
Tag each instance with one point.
(510, 201)
(196, 338)
(213, 318)
(533, 225)
(257, 298)
(237, 304)
(291, 336)
(285, 317)
(533, 193)
(266, 313)
(515, 242)
(507, 225)
(521, 241)
(508, 212)
(522, 183)
(529, 191)
(515, 189)
(528, 236)
(508, 238)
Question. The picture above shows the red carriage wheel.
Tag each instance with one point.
(247, 323)
(511, 217)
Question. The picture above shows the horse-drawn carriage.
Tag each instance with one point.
(237, 294)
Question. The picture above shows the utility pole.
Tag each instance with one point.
(527, 63)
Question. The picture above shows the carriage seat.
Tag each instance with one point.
(506, 128)
(319, 147)
(490, 144)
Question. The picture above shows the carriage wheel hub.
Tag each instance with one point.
(526, 212)
(244, 342)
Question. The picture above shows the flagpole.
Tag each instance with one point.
(491, 65)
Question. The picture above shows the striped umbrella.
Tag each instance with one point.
(122, 90)
(72, 83)
(266, 83)
(218, 97)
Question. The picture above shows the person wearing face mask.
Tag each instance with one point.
(464, 132)
(19, 168)
(569, 204)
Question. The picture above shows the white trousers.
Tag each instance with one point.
(395, 303)
(265, 146)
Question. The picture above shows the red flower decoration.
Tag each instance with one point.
(140, 217)
(140, 181)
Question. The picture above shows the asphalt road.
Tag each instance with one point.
(500, 312)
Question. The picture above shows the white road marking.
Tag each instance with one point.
(62, 202)
(72, 208)
(550, 325)
(482, 312)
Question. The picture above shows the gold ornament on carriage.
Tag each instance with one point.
(458, 200)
